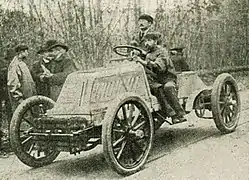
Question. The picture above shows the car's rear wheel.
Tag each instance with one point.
(26, 147)
(127, 135)
(225, 102)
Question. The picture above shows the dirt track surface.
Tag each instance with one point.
(179, 152)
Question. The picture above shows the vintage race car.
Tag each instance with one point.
(113, 106)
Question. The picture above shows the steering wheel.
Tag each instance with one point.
(125, 50)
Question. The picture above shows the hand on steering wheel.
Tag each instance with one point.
(125, 50)
(139, 60)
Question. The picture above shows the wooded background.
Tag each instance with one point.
(213, 32)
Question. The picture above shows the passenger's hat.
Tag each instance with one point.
(40, 51)
(178, 49)
(146, 17)
(21, 47)
(50, 44)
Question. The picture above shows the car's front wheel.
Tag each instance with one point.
(26, 147)
(127, 134)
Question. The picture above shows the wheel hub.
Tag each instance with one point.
(138, 133)
(229, 101)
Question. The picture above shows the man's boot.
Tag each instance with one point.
(171, 95)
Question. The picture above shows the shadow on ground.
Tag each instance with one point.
(93, 165)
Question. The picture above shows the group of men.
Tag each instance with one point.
(45, 77)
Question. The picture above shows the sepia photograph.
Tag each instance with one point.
(124, 89)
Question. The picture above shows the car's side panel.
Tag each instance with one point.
(189, 82)
(106, 88)
(89, 92)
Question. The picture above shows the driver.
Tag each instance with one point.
(162, 77)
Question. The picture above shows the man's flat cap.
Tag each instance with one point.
(153, 35)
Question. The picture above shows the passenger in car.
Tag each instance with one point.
(162, 77)
(179, 60)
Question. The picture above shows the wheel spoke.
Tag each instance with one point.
(31, 148)
(229, 118)
(139, 125)
(25, 132)
(38, 110)
(27, 140)
(122, 124)
(135, 118)
(230, 110)
(118, 141)
(121, 149)
(221, 102)
(41, 109)
(225, 115)
(132, 109)
(118, 130)
(224, 88)
(228, 89)
(233, 96)
(124, 113)
(222, 110)
(202, 112)
(29, 121)
(225, 119)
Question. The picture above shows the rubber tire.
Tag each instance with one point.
(14, 135)
(107, 136)
(218, 119)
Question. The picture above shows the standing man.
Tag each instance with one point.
(51, 71)
(3, 100)
(19, 82)
(5, 105)
(145, 23)
(162, 77)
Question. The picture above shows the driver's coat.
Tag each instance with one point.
(163, 70)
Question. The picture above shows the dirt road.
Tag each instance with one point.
(179, 152)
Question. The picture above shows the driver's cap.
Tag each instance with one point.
(154, 36)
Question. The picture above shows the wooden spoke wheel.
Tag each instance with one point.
(202, 103)
(225, 103)
(127, 135)
(31, 152)
(199, 106)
